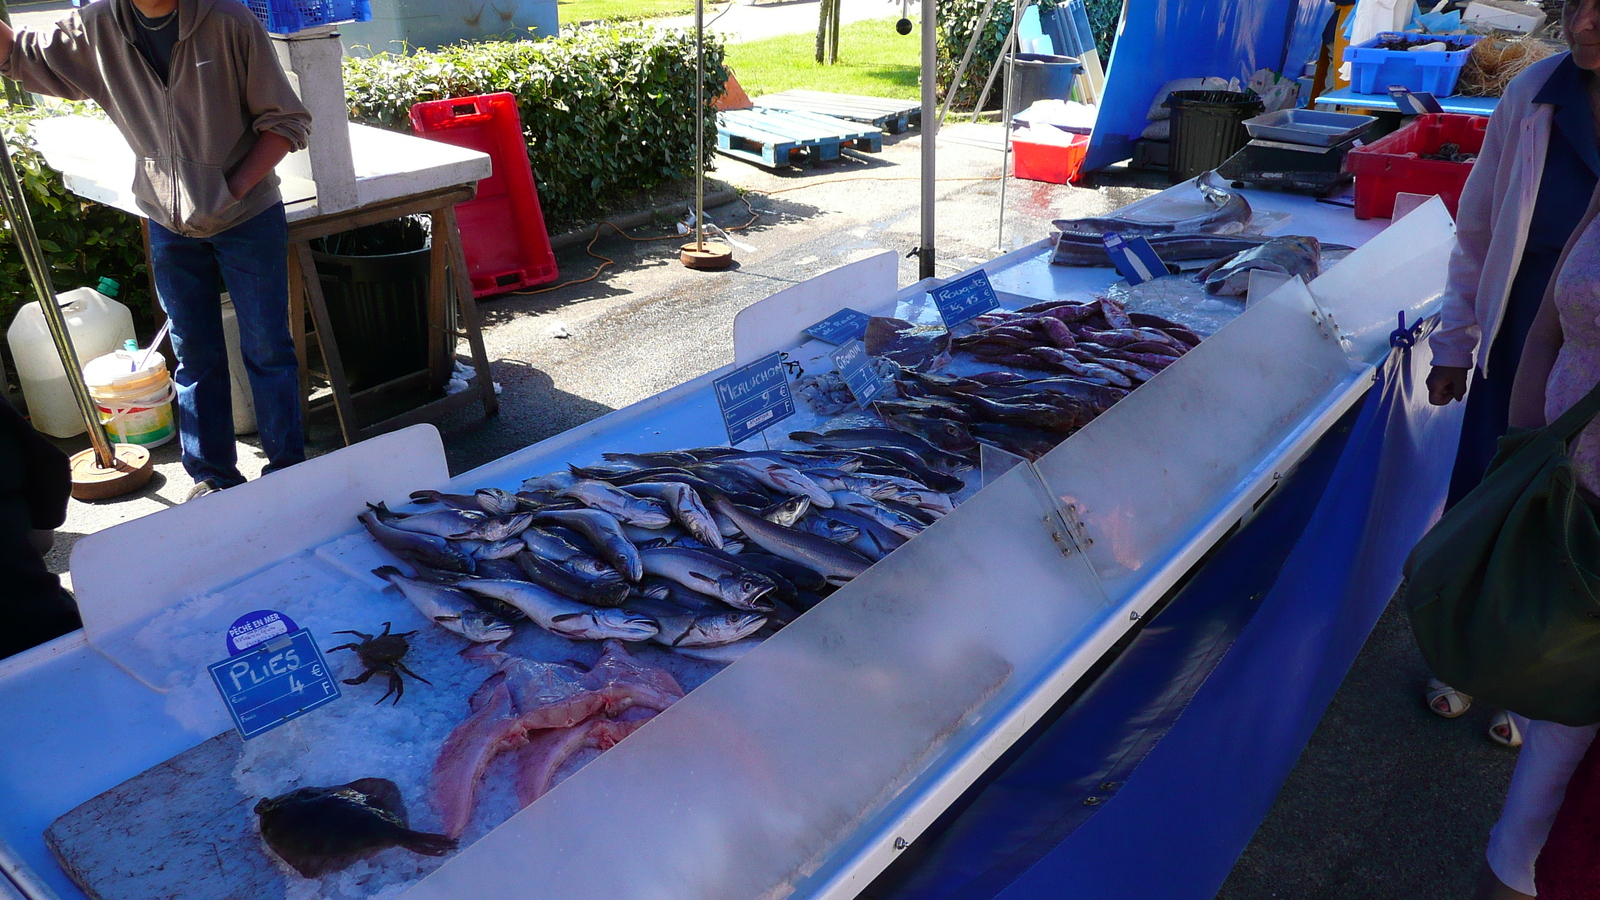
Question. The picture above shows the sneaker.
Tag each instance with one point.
(200, 489)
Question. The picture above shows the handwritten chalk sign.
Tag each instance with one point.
(964, 298)
(841, 328)
(276, 681)
(754, 397)
(858, 371)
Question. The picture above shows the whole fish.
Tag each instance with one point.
(1090, 250)
(922, 347)
(685, 505)
(692, 628)
(625, 507)
(787, 511)
(874, 440)
(1173, 329)
(726, 654)
(933, 407)
(605, 533)
(496, 501)
(1046, 412)
(555, 481)
(901, 463)
(607, 588)
(1290, 255)
(323, 829)
(564, 616)
(778, 477)
(1229, 213)
(467, 502)
(651, 460)
(702, 487)
(447, 607)
(836, 563)
(425, 548)
(445, 523)
(827, 526)
(947, 434)
(899, 523)
(737, 586)
(873, 540)
(802, 577)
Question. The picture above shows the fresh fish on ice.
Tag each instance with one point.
(605, 533)
(736, 586)
(562, 615)
(686, 507)
(1291, 255)
(1229, 213)
(447, 607)
(837, 564)
(626, 508)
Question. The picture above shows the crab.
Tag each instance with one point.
(381, 655)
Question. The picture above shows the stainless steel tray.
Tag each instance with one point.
(1308, 126)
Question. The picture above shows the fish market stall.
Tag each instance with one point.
(781, 725)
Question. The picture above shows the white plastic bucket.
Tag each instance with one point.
(135, 405)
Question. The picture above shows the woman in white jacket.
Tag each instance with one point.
(1526, 195)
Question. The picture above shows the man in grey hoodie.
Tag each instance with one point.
(196, 89)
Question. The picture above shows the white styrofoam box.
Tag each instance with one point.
(1500, 16)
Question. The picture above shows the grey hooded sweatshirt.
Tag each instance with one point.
(224, 87)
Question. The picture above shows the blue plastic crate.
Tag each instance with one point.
(1373, 70)
(290, 16)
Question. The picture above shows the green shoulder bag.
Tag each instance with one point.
(1503, 593)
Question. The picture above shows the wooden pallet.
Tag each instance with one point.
(892, 116)
(773, 138)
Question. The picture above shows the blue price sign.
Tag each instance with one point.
(964, 298)
(842, 327)
(754, 397)
(274, 682)
(858, 371)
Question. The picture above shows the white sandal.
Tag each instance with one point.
(1446, 701)
(1503, 730)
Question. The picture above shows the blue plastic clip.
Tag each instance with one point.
(1403, 336)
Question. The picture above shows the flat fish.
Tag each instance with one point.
(323, 829)
(924, 348)
(1229, 213)
(1294, 256)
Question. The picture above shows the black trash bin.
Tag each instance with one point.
(1207, 128)
(375, 284)
(1041, 76)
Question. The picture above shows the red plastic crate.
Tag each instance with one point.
(1393, 164)
(502, 228)
(1056, 162)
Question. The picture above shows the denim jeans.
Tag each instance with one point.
(251, 258)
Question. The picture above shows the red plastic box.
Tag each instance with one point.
(1058, 160)
(1394, 163)
(502, 228)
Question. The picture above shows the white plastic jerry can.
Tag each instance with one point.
(97, 324)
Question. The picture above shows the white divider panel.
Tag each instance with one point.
(128, 574)
(776, 322)
(814, 751)
(1402, 269)
(1148, 475)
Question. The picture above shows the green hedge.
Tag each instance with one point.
(957, 18)
(82, 240)
(607, 111)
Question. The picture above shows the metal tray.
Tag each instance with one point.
(1308, 126)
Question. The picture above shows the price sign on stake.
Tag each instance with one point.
(964, 298)
(274, 681)
(840, 328)
(857, 370)
(754, 397)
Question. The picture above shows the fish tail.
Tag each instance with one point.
(427, 844)
(424, 497)
(386, 572)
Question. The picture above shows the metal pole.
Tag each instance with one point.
(39, 272)
(1005, 48)
(699, 125)
(1007, 92)
(961, 70)
(930, 132)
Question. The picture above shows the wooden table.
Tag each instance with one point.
(447, 274)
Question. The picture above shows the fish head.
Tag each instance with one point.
(484, 628)
(623, 625)
(748, 588)
(716, 629)
(496, 501)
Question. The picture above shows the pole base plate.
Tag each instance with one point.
(707, 255)
(129, 472)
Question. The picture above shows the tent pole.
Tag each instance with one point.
(961, 70)
(930, 131)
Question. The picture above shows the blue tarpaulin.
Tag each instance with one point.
(1152, 782)
(1164, 40)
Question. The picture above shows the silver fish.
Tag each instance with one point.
(695, 628)
(781, 478)
(1229, 213)
(498, 528)
(736, 586)
(445, 523)
(1290, 255)
(903, 525)
(628, 509)
(727, 653)
(605, 533)
(872, 540)
(560, 615)
(448, 608)
(836, 563)
(430, 549)
(686, 507)
(787, 512)
(497, 502)
(827, 526)
(481, 550)
(555, 481)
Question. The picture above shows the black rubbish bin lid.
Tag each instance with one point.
(1221, 100)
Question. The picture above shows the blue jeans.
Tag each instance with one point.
(251, 258)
